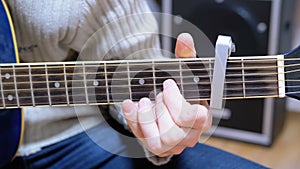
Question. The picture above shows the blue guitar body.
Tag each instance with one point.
(11, 120)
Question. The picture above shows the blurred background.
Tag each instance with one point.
(263, 130)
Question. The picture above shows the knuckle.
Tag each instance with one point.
(181, 120)
(202, 116)
(168, 140)
(155, 149)
(192, 143)
(197, 115)
(178, 151)
(171, 138)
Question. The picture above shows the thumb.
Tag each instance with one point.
(185, 47)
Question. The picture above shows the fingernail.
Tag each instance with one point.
(126, 105)
(159, 98)
(185, 46)
(168, 83)
(144, 104)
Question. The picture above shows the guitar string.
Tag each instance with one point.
(202, 80)
(139, 94)
(169, 63)
(254, 59)
(157, 71)
(144, 71)
(145, 63)
(238, 61)
(161, 77)
(148, 85)
(236, 82)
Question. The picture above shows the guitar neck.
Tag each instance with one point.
(109, 82)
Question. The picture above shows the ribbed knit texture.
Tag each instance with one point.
(51, 30)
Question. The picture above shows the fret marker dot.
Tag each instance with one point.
(141, 81)
(56, 85)
(7, 76)
(10, 97)
(96, 83)
(196, 79)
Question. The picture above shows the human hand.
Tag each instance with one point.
(171, 124)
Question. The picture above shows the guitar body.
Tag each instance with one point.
(11, 120)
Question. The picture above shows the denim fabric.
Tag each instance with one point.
(80, 152)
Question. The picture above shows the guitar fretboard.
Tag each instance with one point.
(108, 82)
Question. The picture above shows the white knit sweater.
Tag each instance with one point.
(53, 30)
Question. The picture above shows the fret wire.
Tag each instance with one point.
(85, 84)
(129, 82)
(47, 84)
(16, 87)
(31, 85)
(210, 69)
(2, 92)
(106, 83)
(181, 80)
(154, 77)
(244, 85)
(66, 84)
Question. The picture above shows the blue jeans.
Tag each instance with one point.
(81, 152)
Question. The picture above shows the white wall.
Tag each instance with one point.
(292, 104)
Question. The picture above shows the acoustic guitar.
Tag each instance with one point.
(109, 82)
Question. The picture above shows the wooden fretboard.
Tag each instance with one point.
(108, 82)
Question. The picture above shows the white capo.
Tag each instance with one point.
(223, 49)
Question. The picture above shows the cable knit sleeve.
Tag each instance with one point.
(118, 29)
